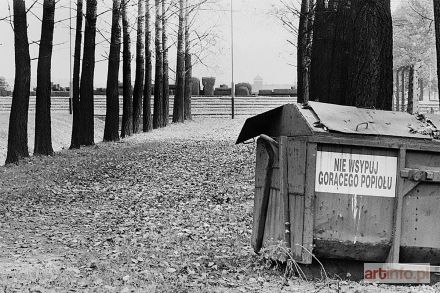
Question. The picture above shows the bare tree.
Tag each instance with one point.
(188, 65)
(76, 125)
(178, 110)
(18, 119)
(111, 129)
(43, 135)
(147, 119)
(87, 131)
(301, 47)
(127, 109)
(158, 80)
(437, 36)
(140, 68)
(165, 79)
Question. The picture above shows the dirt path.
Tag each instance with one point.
(168, 211)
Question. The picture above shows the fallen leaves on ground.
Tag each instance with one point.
(167, 211)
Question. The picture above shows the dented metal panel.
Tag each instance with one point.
(352, 120)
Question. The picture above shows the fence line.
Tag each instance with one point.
(201, 106)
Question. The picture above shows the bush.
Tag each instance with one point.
(265, 93)
(195, 86)
(208, 85)
(242, 91)
(243, 84)
(222, 91)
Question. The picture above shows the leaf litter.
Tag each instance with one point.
(166, 211)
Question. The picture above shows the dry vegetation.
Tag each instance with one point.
(168, 211)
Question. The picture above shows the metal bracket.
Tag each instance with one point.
(420, 175)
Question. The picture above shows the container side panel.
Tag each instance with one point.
(296, 157)
(274, 230)
(420, 240)
(260, 174)
(420, 217)
(296, 203)
(309, 200)
(361, 222)
(296, 173)
(422, 159)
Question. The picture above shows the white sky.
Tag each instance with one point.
(260, 45)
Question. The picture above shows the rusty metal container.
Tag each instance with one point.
(347, 183)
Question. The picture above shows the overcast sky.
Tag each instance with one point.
(260, 44)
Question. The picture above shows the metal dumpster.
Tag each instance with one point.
(347, 183)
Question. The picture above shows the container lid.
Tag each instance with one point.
(314, 117)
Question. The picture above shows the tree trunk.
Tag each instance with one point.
(18, 119)
(371, 74)
(76, 125)
(127, 108)
(422, 89)
(147, 119)
(188, 68)
(352, 54)
(43, 135)
(301, 47)
(178, 111)
(307, 53)
(87, 131)
(158, 79)
(166, 79)
(397, 90)
(437, 36)
(402, 104)
(412, 104)
(111, 129)
(140, 68)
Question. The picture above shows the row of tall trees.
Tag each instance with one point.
(414, 53)
(136, 101)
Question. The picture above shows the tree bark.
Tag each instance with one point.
(87, 131)
(140, 68)
(371, 74)
(331, 51)
(76, 125)
(178, 111)
(43, 135)
(166, 79)
(188, 68)
(127, 108)
(147, 119)
(397, 90)
(111, 129)
(301, 47)
(402, 104)
(352, 54)
(158, 79)
(412, 103)
(307, 53)
(437, 37)
(18, 119)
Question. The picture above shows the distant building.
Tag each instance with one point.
(258, 84)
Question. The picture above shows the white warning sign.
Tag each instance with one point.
(347, 173)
